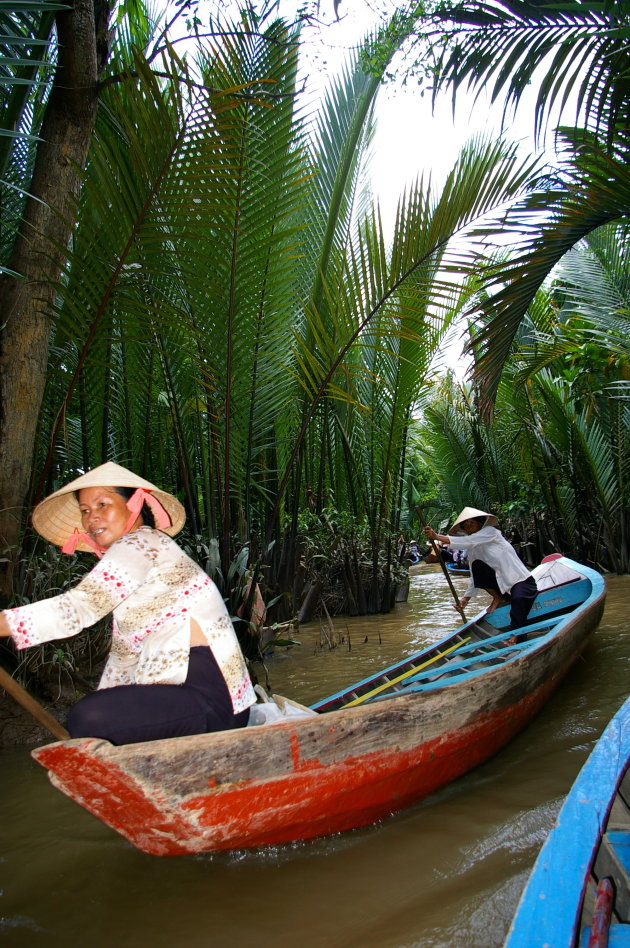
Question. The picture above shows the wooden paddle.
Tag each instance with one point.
(32, 706)
(458, 604)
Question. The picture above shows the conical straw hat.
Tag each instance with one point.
(467, 514)
(57, 517)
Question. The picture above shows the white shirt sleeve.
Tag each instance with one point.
(108, 584)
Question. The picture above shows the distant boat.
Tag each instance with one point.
(578, 893)
(461, 570)
(363, 753)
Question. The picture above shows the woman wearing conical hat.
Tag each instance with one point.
(494, 564)
(175, 666)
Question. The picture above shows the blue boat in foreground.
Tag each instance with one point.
(578, 894)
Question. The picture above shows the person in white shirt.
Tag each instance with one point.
(494, 564)
(175, 666)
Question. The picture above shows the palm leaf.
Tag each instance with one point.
(582, 48)
(594, 192)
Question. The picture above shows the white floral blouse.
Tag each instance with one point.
(153, 591)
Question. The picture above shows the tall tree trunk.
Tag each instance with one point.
(26, 301)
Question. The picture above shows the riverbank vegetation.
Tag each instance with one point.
(555, 460)
(223, 312)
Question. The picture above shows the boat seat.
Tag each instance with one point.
(613, 860)
(618, 936)
(624, 792)
(549, 603)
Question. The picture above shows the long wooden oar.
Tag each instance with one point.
(410, 671)
(32, 706)
(458, 604)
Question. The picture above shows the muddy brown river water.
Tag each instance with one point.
(445, 873)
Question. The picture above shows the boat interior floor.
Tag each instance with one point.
(472, 656)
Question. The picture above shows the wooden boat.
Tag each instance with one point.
(363, 754)
(578, 893)
(459, 570)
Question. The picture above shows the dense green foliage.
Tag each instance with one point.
(574, 56)
(556, 460)
(232, 323)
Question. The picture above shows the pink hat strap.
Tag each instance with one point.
(135, 502)
(73, 541)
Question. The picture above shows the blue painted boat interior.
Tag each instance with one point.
(477, 645)
(590, 841)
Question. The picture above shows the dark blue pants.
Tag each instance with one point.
(129, 714)
(521, 596)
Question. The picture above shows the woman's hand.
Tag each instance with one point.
(5, 631)
(460, 605)
(430, 534)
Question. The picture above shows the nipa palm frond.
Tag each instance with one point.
(582, 48)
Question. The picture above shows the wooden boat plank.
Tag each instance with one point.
(470, 674)
(497, 640)
(491, 648)
(457, 671)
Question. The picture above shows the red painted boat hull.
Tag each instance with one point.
(314, 776)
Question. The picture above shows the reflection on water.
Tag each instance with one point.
(443, 874)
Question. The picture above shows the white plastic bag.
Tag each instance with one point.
(276, 709)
